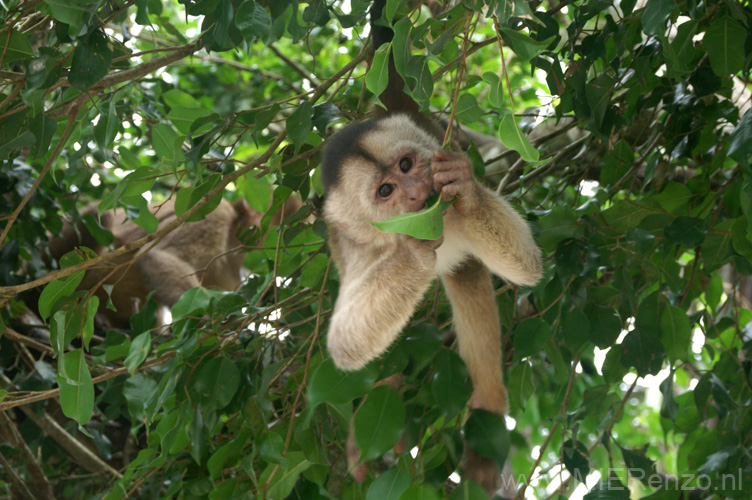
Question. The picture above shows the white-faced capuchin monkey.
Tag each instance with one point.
(388, 166)
(203, 253)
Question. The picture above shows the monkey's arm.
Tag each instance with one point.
(496, 233)
(376, 299)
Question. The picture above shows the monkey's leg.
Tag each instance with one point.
(166, 274)
(476, 322)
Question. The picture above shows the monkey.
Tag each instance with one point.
(387, 166)
(201, 253)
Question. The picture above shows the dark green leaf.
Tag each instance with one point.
(687, 231)
(76, 387)
(217, 382)
(605, 325)
(529, 337)
(419, 492)
(655, 16)
(451, 385)
(378, 76)
(723, 40)
(468, 490)
(486, 433)
(389, 485)
(91, 61)
(676, 332)
(740, 141)
(379, 422)
(331, 385)
(643, 351)
(252, 20)
(299, 124)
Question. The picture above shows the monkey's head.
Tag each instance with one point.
(375, 170)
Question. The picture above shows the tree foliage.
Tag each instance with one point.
(626, 141)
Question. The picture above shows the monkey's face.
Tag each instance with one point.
(384, 170)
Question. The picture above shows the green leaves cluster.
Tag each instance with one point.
(622, 133)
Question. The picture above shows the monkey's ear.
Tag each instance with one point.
(245, 215)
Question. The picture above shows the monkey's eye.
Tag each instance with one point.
(385, 190)
(406, 164)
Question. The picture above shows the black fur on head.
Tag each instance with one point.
(342, 146)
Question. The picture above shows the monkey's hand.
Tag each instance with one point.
(453, 178)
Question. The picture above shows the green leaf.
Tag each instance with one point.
(331, 385)
(669, 407)
(252, 20)
(680, 52)
(529, 337)
(76, 388)
(522, 44)
(419, 492)
(44, 128)
(676, 332)
(228, 453)
(379, 422)
(174, 98)
(451, 385)
(724, 40)
(184, 116)
(575, 458)
(496, 94)
(272, 449)
(285, 478)
(167, 143)
(656, 15)
(740, 140)
(299, 124)
(608, 490)
(575, 327)
(559, 224)
(521, 385)
(639, 466)
(643, 351)
(598, 95)
(427, 224)
(138, 389)
(102, 236)
(389, 485)
(91, 61)
(605, 325)
(15, 47)
(138, 352)
(378, 75)
(467, 110)
(187, 198)
(133, 185)
(486, 433)
(106, 128)
(687, 231)
(217, 382)
(468, 490)
(57, 290)
(513, 138)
